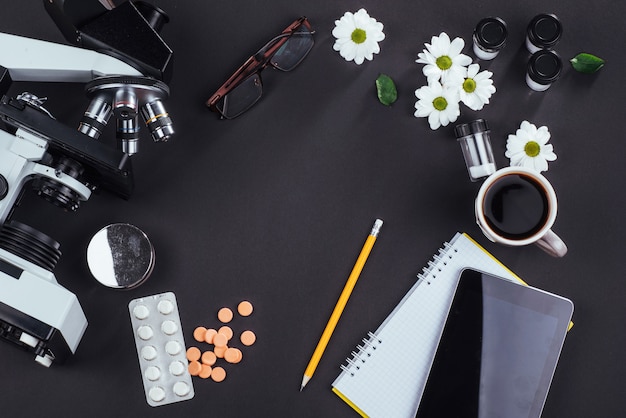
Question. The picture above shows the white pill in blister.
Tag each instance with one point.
(157, 394)
(166, 307)
(148, 352)
(141, 311)
(145, 332)
(181, 388)
(160, 344)
(153, 373)
(177, 368)
(173, 347)
(169, 327)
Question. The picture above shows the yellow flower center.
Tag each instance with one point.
(444, 62)
(358, 36)
(532, 148)
(469, 85)
(440, 103)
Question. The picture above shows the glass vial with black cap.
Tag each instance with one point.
(474, 138)
(543, 32)
(544, 68)
(489, 37)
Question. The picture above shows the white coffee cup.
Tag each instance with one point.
(517, 206)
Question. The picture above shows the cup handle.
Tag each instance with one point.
(552, 244)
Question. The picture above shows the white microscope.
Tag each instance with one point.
(65, 165)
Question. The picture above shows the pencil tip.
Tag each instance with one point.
(305, 380)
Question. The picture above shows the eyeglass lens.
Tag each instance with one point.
(239, 99)
(249, 91)
(294, 50)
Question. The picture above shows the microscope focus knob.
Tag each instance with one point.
(4, 187)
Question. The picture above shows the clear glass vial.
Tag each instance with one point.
(544, 68)
(543, 32)
(474, 138)
(489, 37)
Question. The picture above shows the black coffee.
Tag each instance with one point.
(516, 206)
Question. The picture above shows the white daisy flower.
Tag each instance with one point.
(357, 36)
(476, 88)
(443, 59)
(529, 147)
(439, 103)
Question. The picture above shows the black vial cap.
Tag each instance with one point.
(544, 30)
(474, 127)
(544, 66)
(462, 130)
(479, 126)
(490, 33)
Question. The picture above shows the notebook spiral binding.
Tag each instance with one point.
(436, 265)
(371, 342)
(359, 357)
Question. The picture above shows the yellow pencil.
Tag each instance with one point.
(341, 303)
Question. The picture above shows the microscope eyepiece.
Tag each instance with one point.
(155, 16)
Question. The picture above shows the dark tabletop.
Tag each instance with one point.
(274, 206)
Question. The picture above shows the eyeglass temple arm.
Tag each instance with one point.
(242, 72)
(264, 54)
(258, 61)
(253, 64)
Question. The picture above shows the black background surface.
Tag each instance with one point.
(275, 205)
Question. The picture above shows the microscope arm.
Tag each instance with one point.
(30, 59)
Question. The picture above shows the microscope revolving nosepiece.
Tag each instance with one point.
(120, 256)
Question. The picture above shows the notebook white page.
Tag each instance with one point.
(386, 375)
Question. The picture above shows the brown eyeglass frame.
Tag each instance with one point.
(257, 63)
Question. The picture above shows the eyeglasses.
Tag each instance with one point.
(245, 87)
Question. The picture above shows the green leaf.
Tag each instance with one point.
(386, 89)
(587, 63)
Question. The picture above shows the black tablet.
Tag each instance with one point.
(498, 350)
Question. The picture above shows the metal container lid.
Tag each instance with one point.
(120, 256)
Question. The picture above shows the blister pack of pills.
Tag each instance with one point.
(161, 349)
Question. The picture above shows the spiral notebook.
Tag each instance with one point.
(386, 375)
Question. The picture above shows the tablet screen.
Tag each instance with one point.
(498, 350)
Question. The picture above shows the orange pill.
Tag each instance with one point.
(245, 308)
(225, 315)
(206, 371)
(218, 374)
(209, 334)
(220, 340)
(209, 358)
(219, 351)
(193, 354)
(233, 355)
(227, 331)
(198, 334)
(248, 338)
(239, 355)
(195, 367)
